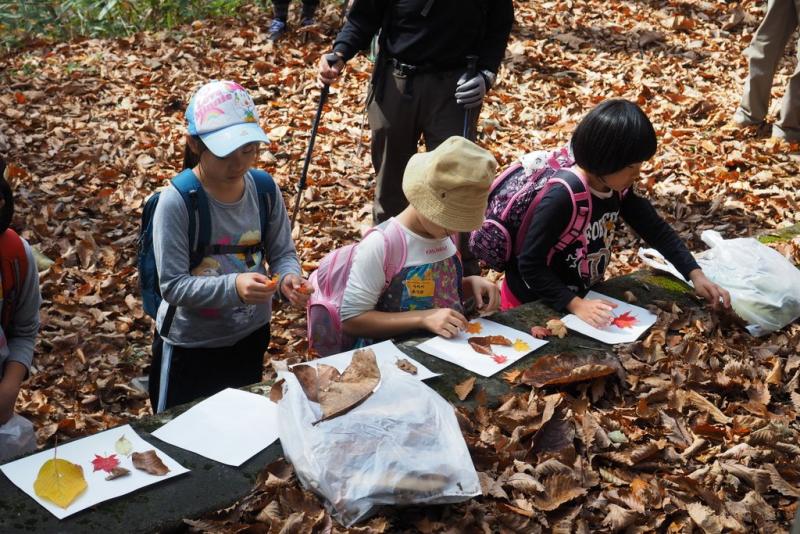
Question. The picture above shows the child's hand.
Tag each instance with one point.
(596, 312)
(485, 293)
(443, 322)
(8, 397)
(254, 288)
(296, 290)
(709, 290)
(9, 389)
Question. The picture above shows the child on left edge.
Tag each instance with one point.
(18, 336)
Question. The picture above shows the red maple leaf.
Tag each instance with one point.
(626, 320)
(105, 463)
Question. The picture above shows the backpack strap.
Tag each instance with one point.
(395, 251)
(194, 196)
(14, 267)
(581, 200)
(196, 200)
(267, 193)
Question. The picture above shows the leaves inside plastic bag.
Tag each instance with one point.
(59, 481)
(569, 368)
(149, 462)
(313, 379)
(352, 387)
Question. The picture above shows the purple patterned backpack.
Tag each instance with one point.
(513, 198)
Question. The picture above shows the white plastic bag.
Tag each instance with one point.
(764, 286)
(401, 446)
(17, 437)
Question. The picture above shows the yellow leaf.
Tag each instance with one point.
(521, 346)
(59, 481)
(474, 328)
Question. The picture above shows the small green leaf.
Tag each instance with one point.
(617, 437)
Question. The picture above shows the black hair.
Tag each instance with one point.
(190, 157)
(7, 212)
(613, 135)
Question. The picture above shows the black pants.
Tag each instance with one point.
(404, 110)
(201, 372)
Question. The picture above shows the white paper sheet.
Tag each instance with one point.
(23, 472)
(230, 427)
(458, 351)
(613, 334)
(385, 352)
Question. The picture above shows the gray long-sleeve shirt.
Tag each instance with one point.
(209, 310)
(17, 345)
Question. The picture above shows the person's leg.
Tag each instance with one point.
(154, 379)
(446, 118)
(280, 15)
(309, 10)
(245, 361)
(280, 10)
(764, 52)
(788, 124)
(392, 119)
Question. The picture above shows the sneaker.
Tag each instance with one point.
(307, 21)
(276, 29)
(740, 118)
(791, 135)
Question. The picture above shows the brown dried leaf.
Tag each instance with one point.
(704, 518)
(276, 391)
(558, 490)
(464, 388)
(353, 387)
(557, 327)
(149, 462)
(405, 365)
(307, 376)
(569, 368)
(707, 407)
(619, 518)
(118, 472)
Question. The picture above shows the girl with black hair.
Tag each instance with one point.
(610, 145)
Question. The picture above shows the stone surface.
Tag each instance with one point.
(212, 486)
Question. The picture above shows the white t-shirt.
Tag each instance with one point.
(366, 281)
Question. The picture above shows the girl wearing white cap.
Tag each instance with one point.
(213, 323)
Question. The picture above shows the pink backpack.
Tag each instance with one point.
(325, 335)
(513, 198)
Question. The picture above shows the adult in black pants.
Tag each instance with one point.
(420, 86)
(280, 14)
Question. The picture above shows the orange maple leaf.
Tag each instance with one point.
(474, 328)
(626, 320)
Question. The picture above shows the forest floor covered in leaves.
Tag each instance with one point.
(709, 414)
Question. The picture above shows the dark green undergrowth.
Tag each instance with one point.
(24, 21)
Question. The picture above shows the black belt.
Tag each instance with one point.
(404, 69)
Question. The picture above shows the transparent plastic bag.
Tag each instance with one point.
(401, 446)
(764, 286)
(17, 437)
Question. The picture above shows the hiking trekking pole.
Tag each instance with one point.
(331, 59)
(472, 70)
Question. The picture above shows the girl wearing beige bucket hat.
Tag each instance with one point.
(447, 189)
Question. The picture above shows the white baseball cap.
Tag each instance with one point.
(224, 116)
